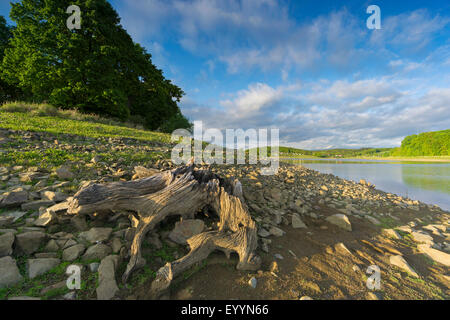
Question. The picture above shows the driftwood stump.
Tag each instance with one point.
(182, 191)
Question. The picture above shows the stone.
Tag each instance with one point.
(436, 255)
(422, 237)
(340, 220)
(52, 246)
(35, 205)
(253, 282)
(297, 223)
(6, 221)
(391, 233)
(58, 285)
(29, 242)
(185, 229)
(53, 196)
(306, 298)
(341, 248)
(277, 232)
(107, 287)
(72, 295)
(375, 221)
(64, 173)
(263, 233)
(6, 243)
(24, 298)
(45, 219)
(278, 256)
(37, 267)
(116, 245)
(15, 214)
(94, 266)
(400, 262)
(72, 253)
(96, 252)
(9, 272)
(46, 255)
(79, 222)
(14, 198)
(96, 234)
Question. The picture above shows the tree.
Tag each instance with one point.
(96, 69)
(7, 92)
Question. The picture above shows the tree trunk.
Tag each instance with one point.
(183, 191)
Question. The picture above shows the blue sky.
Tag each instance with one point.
(310, 68)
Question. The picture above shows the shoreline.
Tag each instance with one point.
(402, 159)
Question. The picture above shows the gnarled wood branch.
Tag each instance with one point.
(182, 191)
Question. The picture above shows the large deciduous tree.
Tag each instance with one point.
(96, 69)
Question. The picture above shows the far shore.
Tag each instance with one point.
(414, 159)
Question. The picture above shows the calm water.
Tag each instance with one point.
(423, 181)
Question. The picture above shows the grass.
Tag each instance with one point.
(18, 118)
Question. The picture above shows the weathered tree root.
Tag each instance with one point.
(182, 191)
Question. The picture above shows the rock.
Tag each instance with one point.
(6, 242)
(46, 255)
(341, 248)
(253, 282)
(72, 253)
(94, 266)
(9, 273)
(400, 262)
(116, 245)
(436, 255)
(277, 232)
(37, 267)
(297, 223)
(185, 229)
(97, 252)
(278, 256)
(58, 285)
(45, 219)
(274, 267)
(263, 233)
(422, 237)
(96, 234)
(15, 214)
(24, 298)
(375, 221)
(14, 198)
(64, 173)
(72, 295)
(340, 220)
(52, 246)
(29, 242)
(53, 196)
(6, 221)
(306, 298)
(79, 222)
(35, 205)
(391, 233)
(107, 287)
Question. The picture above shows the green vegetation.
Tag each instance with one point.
(31, 121)
(425, 144)
(97, 69)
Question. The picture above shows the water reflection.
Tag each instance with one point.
(425, 181)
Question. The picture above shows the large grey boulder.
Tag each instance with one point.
(9, 273)
(37, 267)
(340, 220)
(96, 234)
(97, 252)
(185, 229)
(6, 242)
(400, 262)
(72, 253)
(107, 287)
(14, 198)
(29, 242)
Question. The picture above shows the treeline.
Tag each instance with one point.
(336, 153)
(96, 69)
(425, 144)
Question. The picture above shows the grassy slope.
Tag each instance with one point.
(56, 125)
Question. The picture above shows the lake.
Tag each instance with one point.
(428, 182)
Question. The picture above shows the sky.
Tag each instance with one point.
(312, 69)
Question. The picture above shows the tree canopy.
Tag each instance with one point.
(426, 144)
(96, 69)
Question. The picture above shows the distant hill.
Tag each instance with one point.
(435, 143)
(334, 153)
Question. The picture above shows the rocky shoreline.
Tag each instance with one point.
(38, 241)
